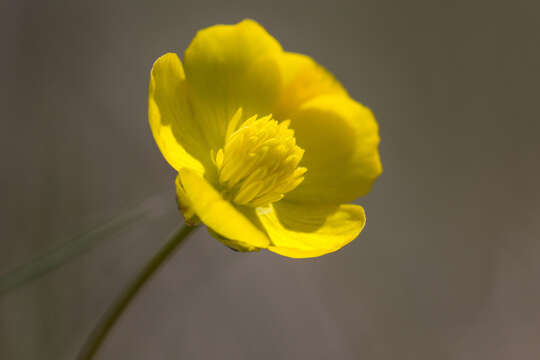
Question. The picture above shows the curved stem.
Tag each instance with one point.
(109, 318)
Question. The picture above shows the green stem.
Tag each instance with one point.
(109, 318)
(67, 251)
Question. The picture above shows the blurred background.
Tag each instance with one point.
(447, 267)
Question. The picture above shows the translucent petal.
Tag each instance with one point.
(177, 134)
(302, 79)
(300, 231)
(340, 138)
(219, 214)
(228, 67)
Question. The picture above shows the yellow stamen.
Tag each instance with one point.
(259, 162)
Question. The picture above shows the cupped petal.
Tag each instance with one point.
(228, 67)
(175, 130)
(219, 214)
(340, 138)
(302, 80)
(301, 231)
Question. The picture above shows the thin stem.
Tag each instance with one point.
(67, 251)
(109, 318)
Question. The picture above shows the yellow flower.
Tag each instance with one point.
(268, 146)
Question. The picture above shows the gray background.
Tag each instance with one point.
(447, 268)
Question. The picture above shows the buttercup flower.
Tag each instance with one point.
(268, 146)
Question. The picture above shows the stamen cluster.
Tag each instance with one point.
(259, 163)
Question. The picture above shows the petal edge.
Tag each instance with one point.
(170, 117)
(301, 231)
(340, 138)
(219, 214)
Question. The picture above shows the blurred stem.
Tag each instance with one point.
(109, 318)
(67, 251)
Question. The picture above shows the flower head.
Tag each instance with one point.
(268, 146)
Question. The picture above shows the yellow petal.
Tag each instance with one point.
(301, 231)
(218, 214)
(177, 135)
(302, 80)
(340, 139)
(233, 244)
(184, 205)
(228, 67)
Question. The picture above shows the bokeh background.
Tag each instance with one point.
(447, 267)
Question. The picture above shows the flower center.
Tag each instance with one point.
(259, 162)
